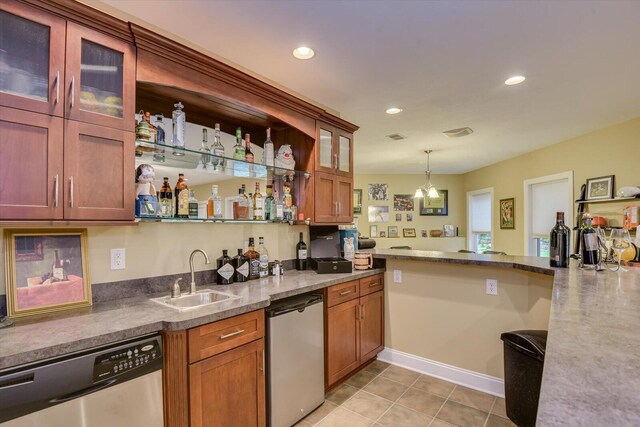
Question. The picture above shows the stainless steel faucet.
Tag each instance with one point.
(206, 260)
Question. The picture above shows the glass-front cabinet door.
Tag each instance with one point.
(344, 154)
(32, 47)
(100, 79)
(325, 154)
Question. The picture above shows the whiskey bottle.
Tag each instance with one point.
(264, 258)
(268, 203)
(193, 205)
(241, 205)
(241, 264)
(225, 270)
(238, 149)
(217, 149)
(57, 270)
(214, 204)
(268, 153)
(258, 204)
(166, 199)
(182, 197)
(253, 258)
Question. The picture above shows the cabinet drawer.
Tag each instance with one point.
(371, 284)
(217, 337)
(343, 292)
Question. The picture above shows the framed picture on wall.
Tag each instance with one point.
(373, 231)
(508, 214)
(382, 234)
(392, 231)
(600, 188)
(408, 232)
(46, 270)
(378, 213)
(403, 202)
(357, 201)
(437, 206)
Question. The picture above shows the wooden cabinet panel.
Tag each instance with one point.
(343, 340)
(30, 165)
(371, 284)
(371, 325)
(99, 172)
(343, 292)
(324, 198)
(215, 338)
(344, 197)
(228, 390)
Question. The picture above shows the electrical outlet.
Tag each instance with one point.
(117, 259)
(492, 287)
(397, 276)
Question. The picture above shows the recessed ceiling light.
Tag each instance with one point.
(393, 110)
(303, 52)
(515, 80)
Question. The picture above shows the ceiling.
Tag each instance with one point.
(443, 62)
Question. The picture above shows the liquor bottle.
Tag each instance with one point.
(57, 270)
(268, 153)
(253, 257)
(205, 157)
(258, 204)
(264, 258)
(241, 264)
(238, 149)
(559, 243)
(241, 205)
(248, 154)
(158, 151)
(279, 207)
(179, 127)
(225, 270)
(589, 243)
(182, 197)
(193, 205)
(214, 204)
(268, 203)
(166, 199)
(217, 149)
(301, 254)
(251, 215)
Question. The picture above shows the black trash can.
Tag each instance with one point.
(523, 361)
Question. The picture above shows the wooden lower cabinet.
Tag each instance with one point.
(343, 340)
(371, 326)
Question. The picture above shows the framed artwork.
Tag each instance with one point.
(409, 232)
(600, 188)
(409, 217)
(47, 270)
(403, 202)
(435, 207)
(423, 233)
(508, 214)
(382, 234)
(392, 231)
(357, 201)
(378, 213)
(449, 230)
(373, 231)
(378, 192)
(398, 217)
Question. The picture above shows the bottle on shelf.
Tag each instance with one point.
(182, 197)
(559, 243)
(301, 254)
(278, 212)
(287, 201)
(268, 153)
(258, 204)
(158, 151)
(590, 248)
(268, 203)
(204, 163)
(264, 258)
(193, 205)
(179, 127)
(251, 214)
(241, 264)
(214, 204)
(217, 149)
(241, 205)
(253, 257)
(238, 149)
(225, 270)
(248, 154)
(57, 270)
(166, 199)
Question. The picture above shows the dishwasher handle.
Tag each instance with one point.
(296, 304)
(83, 392)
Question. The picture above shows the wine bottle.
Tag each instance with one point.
(301, 254)
(241, 265)
(589, 241)
(264, 258)
(225, 270)
(559, 243)
(253, 257)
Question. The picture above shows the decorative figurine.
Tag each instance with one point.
(146, 200)
(285, 160)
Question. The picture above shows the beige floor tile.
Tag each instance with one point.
(302, 423)
(475, 399)
(368, 405)
(499, 408)
(340, 394)
(460, 415)
(377, 367)
(421, 401)
(401, 375)
(496, 421)
(361, 379)
(434, 385)
(386, 388)
(344, 418)
(399, 416)
(325, 409)
(439, 423)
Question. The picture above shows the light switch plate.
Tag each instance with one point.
(118, 259)
(492, 287)
(397, 276)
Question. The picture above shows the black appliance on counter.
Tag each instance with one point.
(325, 250)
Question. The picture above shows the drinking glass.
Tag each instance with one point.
(620, 241)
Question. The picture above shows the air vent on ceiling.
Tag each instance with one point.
(458, 133)
(396, 137)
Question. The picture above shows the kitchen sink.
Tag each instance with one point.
(191, 301)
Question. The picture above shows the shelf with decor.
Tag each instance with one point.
(219, 220)
(617, 199)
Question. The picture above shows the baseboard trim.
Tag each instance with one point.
(464, 377)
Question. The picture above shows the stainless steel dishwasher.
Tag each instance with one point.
(295, 358)
(114, 385)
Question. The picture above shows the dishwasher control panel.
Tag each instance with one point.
(125, 359)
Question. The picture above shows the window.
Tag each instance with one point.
(479, 216)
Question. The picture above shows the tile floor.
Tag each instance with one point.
(387, 395)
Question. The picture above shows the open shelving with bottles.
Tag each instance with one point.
(610, 209)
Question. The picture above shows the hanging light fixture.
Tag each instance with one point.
(427, 190)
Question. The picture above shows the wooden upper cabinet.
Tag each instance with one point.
(99, 79)
(334, 150)
(30, 165)
(344, 199)
(32, 52)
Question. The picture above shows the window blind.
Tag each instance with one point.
(481, 213)
(547, 199)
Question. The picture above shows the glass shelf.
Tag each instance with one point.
(223, 220)
(619, 199)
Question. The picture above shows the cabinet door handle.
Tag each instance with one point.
(343, 293)
(374, 284)
(232, 334)
(73, 90)
(262, 367)
(55, 192)
(362, 311)
(57, 86)
(71, 191)
(358, 313)
(335, 161)
(339, 208)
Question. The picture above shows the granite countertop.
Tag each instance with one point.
(37, 338)
(591, 371)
